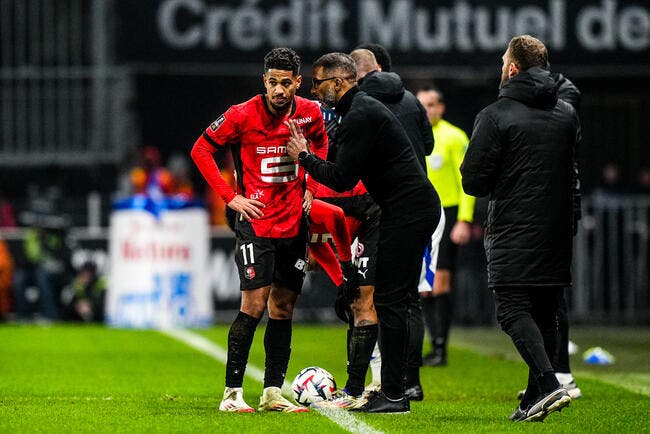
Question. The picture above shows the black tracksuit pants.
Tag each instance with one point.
(399, 261)
(529, 315)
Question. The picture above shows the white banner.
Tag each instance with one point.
(158, 269)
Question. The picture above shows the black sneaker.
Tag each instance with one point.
(547, 404)
(414, 393)
(381, 404)
(518, 415)
(435, 359)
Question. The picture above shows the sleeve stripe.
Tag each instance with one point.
(209, 140)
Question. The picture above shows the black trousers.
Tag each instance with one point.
(529, 315)
(399, 262)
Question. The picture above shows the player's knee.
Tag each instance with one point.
(254, 308)
(281, 307)
(281, 310)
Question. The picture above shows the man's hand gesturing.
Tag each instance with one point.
(297, 142)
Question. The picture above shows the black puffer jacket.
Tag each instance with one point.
(388, 88)
(522, 154)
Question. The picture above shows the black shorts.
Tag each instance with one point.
(263, 261)
(364, 209)
(448, 250)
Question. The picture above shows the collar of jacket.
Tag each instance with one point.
(534, 87)
(343, 106)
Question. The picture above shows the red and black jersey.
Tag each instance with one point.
(265, 172)
(328, 223)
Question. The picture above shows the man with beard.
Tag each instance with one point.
(388, 88)
(270, 230)
(522, 154)
(374, 148)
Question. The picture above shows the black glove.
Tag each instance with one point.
(341, 305)
(351, 287)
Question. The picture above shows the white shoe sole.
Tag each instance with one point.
(575, 393)
(557, 405)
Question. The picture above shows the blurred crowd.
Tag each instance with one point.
(40, 280)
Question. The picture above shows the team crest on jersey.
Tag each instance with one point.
(216, 124)
(360, 249)
(250, 273)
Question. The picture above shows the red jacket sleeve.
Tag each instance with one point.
(333, 218)
(202, 155)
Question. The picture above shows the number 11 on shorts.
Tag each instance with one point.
(248, 257)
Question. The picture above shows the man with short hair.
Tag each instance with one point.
(381, 55)
(388, 88)
(522, 154)
(443, 170)
(373, 147)
(362, 214)
(270, 229)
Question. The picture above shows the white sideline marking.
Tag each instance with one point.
(342, 418)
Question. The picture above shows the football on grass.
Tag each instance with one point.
(313, 384)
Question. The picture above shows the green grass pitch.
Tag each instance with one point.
(67, 378)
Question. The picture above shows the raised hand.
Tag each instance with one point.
(297, 142)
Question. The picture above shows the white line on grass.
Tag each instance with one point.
(342, 418)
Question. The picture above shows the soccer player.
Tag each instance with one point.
(374, 148)
(270, 229)
(443, 170)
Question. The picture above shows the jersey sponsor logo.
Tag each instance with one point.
(361, 262)
(249, 273)
(264, 150)
(259, 194)
(216, 124)
(300, 264)
(301, 121)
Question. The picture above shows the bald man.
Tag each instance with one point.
(388, 88)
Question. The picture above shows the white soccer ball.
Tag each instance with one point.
(313, 384)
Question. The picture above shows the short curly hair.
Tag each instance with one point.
(282, 58)
(527, 52)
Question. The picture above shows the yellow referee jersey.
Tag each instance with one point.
(443, 168)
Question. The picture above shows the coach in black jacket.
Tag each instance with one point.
(373, 147)
(388, 88)
(522, 154)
